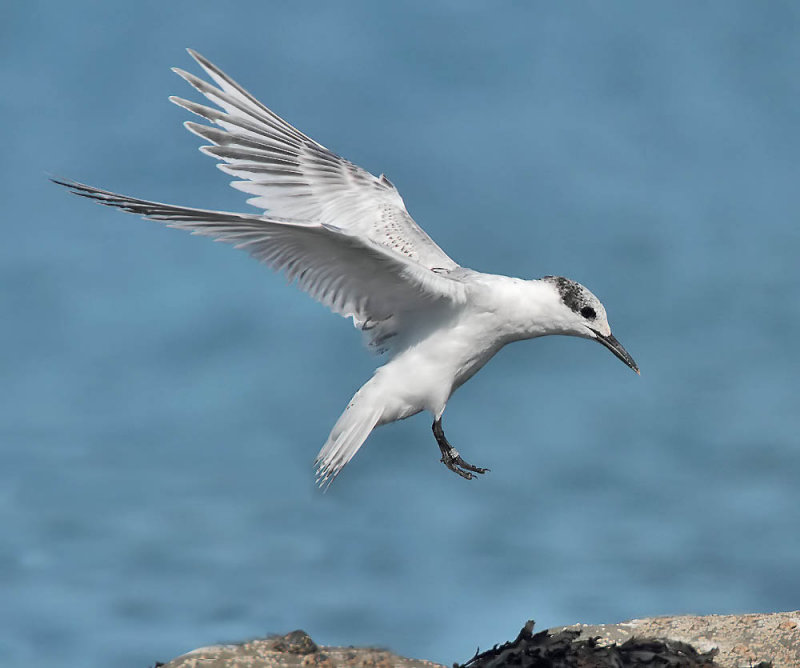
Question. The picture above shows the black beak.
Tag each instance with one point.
(616, 347)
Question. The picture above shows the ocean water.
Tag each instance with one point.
(164, 396)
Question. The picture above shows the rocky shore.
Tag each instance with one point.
(725, 641)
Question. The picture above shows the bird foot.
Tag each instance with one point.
(450, 457)
(452, 460)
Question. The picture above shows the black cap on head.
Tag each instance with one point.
(573, 294)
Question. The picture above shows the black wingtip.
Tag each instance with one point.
(74, 186)
(199, 58)
(90, 192)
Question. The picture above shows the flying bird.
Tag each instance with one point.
(345, 237)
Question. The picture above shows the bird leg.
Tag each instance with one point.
(450, 457)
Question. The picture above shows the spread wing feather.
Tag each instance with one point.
(341, 233)
(351, 275)
(293, 177)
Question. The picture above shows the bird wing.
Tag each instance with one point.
(351, 274)
(294, 177)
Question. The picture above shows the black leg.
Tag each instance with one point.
(450, 457)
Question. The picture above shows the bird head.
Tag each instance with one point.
(582, 314)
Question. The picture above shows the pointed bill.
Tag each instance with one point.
(616, 347)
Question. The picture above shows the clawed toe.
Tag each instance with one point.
(450, 457)
(452, 460)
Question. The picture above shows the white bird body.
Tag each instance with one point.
(444, 352)
(441, 354)
(346, 238)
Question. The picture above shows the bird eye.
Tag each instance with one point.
(588, 313)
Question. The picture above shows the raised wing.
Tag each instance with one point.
(352, 275)
(293, 177)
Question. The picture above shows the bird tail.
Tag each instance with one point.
(351, 430)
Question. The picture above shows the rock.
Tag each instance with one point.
(742, 640)
(294, 649)
(730, 641)
(567, 649)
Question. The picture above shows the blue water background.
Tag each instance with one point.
(164, 396)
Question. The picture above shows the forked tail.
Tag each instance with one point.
(350, 431)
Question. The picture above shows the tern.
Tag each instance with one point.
(345, 237)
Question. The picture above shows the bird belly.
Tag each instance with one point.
(423, 376)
